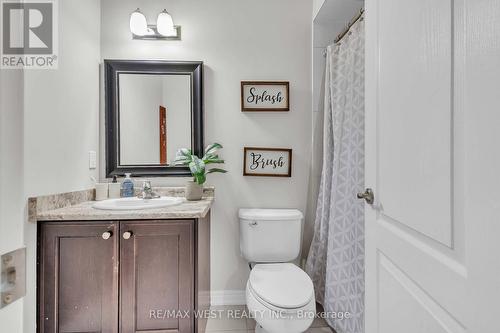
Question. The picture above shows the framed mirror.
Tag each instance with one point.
(153, 108)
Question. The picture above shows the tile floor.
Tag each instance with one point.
(231, 323)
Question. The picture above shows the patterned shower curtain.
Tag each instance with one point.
(336, 257)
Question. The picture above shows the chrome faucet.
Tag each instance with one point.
(147, 191)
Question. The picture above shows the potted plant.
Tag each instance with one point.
(198, 168)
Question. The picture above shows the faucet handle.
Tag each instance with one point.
(147, 191)
(146, 185)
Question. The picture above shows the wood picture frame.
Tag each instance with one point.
(265, 96)
(268, 161)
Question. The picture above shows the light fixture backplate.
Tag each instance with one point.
(157, 36)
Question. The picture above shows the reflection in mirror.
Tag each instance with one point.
(154, 117)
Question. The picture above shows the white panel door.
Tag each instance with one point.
(424, 63)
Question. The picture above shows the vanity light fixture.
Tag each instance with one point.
(138, 23)
(165, 24)
(163, 30)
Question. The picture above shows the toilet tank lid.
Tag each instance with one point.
(269, 214)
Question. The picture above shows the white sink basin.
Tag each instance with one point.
(136, 203)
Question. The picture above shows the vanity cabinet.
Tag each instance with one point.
(78, 277)
(123, 276)
(156, 275)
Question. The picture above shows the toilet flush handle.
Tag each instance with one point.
(253, 224)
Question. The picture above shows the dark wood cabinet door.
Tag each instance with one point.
(78, 277)
(156, 276)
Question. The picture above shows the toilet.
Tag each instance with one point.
(279, 295)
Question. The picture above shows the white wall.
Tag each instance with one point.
(317, 7)
(61, 120)
(61, 106)
(237, 40)
(11, 182)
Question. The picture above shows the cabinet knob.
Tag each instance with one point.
(7, 299)
(127, 234)
(107, 235)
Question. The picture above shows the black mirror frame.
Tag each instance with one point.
(111, 70)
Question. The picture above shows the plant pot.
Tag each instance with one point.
(194, 191)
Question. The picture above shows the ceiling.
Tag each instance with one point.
(338, 10)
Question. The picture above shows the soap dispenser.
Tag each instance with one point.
(127, 186)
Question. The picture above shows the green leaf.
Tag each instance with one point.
(213, 161)
(211, 149)
(216, 170)
(196, 166)
(186, 152)
(199, 163)
(182, 160)
(192, 167)
(211, 157)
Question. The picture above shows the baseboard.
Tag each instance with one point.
(227, 297)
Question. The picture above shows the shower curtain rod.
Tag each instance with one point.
(349, 25)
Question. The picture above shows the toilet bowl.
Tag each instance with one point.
(279, 295)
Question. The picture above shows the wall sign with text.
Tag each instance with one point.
(265, 96)
(270, 162)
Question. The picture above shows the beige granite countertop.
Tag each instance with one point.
(84, 211)
(76, 206)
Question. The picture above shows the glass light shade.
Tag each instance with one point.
(165, 24)
(138, 23)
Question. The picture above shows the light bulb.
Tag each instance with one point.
(165, 24)
(138, 23)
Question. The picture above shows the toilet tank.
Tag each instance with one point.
(270, 235)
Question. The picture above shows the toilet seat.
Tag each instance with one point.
(282, 286)
(272, 319)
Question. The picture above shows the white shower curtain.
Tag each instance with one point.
(336, 257)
